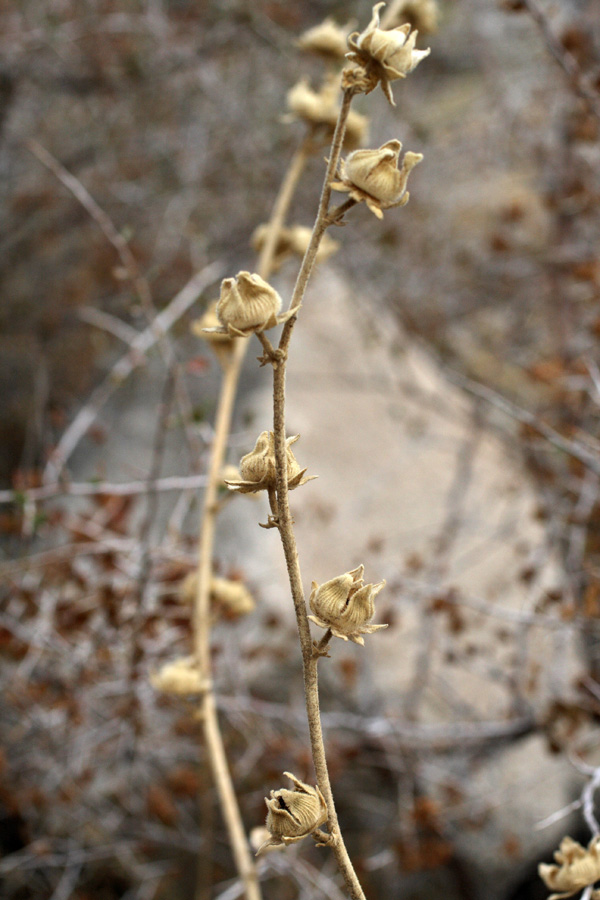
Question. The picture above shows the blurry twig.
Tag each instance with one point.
(99, 488)
(566, 60)
(126, 365)
(572, 448)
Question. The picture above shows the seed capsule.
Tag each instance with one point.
(346, 605)
(293, 814)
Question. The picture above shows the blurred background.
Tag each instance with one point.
(141, 143)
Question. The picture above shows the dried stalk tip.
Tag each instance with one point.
(294, 240)
(247, 304)
(320, 109)
(181, 676)
(327, 40)
(383, 55)
(258, 468)
(577, 868)
(230, 599)
(293, 814)
(374, 176)
(346, 605)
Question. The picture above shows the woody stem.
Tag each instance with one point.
(285, 524)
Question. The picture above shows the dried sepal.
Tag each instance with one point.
(320, 109)
(327, 40)
(577, 868)
(346, 605)
(247, 304)
(258, 469)
(373, 176)
(293, 240)
(181, 676)
(385, 55)
(293, 814)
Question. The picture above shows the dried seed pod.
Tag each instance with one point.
(293, 240)
(385, 55)
(258, 468)
(345, 605)
(247, 304)
(326, 39)
(208, 327)
(181, 676)
(577, 868)
(321, 109)
(229, 598)
(421, 14)
(293, 814)
(373, 176)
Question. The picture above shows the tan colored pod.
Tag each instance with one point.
(293, 814)
(346, 606)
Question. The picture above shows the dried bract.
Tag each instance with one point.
(181, 676)
(577, 868)
(327, 40)
(258, 469)
(346, 605)
(247, 304)
(294, 240)
(373, 176)
(293, 814)
(321, 109)
(385, 55)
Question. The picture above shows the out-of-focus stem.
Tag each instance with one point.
(244, 861)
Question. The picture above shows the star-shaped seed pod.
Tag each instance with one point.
(258, 470)
(247, 304)
(293, 240)
(346, 605)
(181, 676)
(373, 176)
(577, 868)
(327, 40)
(384, 55)
(321, 109)
(293, 814)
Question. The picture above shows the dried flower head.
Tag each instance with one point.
(207, 327)
(577, 868)
(346, 605)
(374, 176)
(293, 814)
(421, 14)
(258, 470)
(228, 598)
(247, 304)
(327, 40)
(321, 109)
(383, 55)
(293, 240)
(181, 676)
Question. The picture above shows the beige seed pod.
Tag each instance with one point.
(293, 814)
(345, 605)
(247, 304)
(321, 109)
(293, 240)
(421, 14)
(208, 327)
(385, 54)
(577, 868)
(258, 469)
(326, 39)
(373, 176)
(230, 598)
(181, 676)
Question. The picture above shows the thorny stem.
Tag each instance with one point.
(214, 743)
(285, 524)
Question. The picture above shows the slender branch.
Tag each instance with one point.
(284, 517)
(103, 488)
(232, 368)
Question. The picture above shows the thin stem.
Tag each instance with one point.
(232, 368)
(284, 518)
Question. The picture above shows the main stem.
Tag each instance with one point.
(285, 523)
(212, 735)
